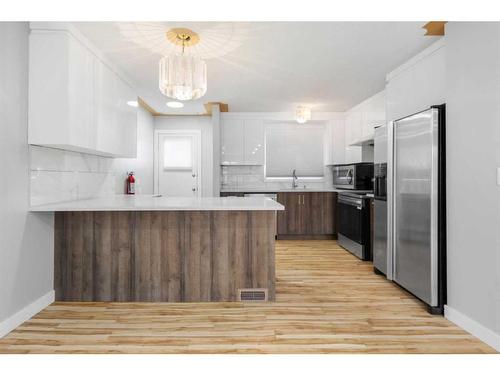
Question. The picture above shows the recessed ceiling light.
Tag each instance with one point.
(175, 104)
(133, 103)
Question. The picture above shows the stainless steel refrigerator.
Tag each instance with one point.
(380, 220)
(417, 205)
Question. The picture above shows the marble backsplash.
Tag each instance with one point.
(250, 178)
(59, 175)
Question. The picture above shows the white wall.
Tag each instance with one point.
(26, 239)
(142, 165)
(473, 195)
(204, 124)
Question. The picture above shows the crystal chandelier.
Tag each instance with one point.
(302, 114)
(183, 76)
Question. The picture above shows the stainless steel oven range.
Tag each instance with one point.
(354, 224)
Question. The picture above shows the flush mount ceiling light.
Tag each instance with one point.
(302, 114)
(133, 103)
(175, 104)
(182, 76)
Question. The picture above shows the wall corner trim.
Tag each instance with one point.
(26, 313)
(476, 329)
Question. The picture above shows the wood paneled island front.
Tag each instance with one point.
(143, 248)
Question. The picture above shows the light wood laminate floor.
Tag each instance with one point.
(328, 301)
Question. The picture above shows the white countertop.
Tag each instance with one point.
(297, 190)
(151, 203)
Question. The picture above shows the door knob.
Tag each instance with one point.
(194, 189)
(193, 175)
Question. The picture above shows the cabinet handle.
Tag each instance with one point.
(298, 196)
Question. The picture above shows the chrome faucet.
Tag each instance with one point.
(295, 184)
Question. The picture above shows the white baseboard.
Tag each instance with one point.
(26, 313)
(484, 334)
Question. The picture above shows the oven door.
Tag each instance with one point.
(350, 214)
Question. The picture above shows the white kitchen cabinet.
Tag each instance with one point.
(373, 114)
(76, 101)
(254, 142)
(233, 142)
(338, 142)
(353, 123)
(417, 84)
(242, 141)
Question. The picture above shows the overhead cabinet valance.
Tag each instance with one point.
(77, 101)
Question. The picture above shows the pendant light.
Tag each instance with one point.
(302, 114)
(182, 76)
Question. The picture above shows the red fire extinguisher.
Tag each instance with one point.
(130, 183)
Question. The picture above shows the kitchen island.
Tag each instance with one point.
(159, 249)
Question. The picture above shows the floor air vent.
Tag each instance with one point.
(252, 295)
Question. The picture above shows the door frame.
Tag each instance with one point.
(196, 134)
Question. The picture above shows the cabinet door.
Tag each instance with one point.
(81, 95)
(338, 142)
(126, 124)
(319, 213)
(352, 134)
(233, 142)
(106, 117)
(373, 114)
(254, 142)
(291, 220)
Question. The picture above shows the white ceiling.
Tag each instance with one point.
(270, 66)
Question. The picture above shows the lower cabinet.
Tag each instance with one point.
(307, 215)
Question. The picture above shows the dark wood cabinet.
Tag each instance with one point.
(292, 220)
(307, 215)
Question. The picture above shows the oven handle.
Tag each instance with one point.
(358, 203)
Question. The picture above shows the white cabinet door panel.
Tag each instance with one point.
(373, 114)
(338, 142)
(81, 94)
(76, 101)
(233, 142)
(254, 142)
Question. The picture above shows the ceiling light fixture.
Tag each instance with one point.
(182, 76)
(175, 104)
(302, 114)
(133, 103)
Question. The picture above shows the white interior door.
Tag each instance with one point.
(177, 160)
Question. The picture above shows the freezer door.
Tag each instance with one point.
(380, 236)
(380, 145)
(415, 204)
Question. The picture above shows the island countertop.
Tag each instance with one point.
(158, 203)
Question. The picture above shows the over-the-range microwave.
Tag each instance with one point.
(355, 176)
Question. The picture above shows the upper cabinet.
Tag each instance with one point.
(242, 141)
(353, 126)
(373, 114)
(337, 142)
(360, 124)
(76, 101)
(417, 84)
